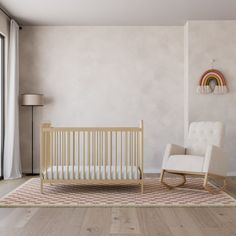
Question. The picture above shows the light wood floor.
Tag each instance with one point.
(116, 221)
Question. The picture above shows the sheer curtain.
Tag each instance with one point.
(12, 165)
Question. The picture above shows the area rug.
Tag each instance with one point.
(155, 195)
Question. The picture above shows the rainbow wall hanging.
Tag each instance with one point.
(209, 76)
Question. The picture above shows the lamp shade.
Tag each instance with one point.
(32, 100)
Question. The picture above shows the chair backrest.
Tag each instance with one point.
(202, 134)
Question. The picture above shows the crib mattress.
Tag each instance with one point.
(96, 173)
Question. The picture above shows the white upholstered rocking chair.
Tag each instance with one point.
(203, 155)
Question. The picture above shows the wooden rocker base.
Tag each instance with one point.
(172, 186)
(205, 183)
(206, 186)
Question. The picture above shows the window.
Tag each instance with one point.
(2, 75)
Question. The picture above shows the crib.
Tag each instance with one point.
(91, 155)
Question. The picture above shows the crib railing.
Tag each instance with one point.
(91, 154)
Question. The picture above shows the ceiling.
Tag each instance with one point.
(118, 12)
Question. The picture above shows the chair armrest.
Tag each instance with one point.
(216, 161)
(172, 149)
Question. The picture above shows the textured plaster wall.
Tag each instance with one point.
(117, 75)
(101, 76)
(209, 40)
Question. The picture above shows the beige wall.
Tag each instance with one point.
(209, 40)
(118, 75)
(105, 76)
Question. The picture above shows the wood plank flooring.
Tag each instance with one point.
(116, 221)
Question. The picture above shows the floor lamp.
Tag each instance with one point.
(32, 100)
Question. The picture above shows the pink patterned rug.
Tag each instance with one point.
(155, 195)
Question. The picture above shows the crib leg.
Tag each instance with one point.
(41, 185)
(142, 186)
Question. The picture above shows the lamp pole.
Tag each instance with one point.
(32, 100)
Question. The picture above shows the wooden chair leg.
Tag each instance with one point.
(172, 186)
(206, 187)
(205, 181)
(162, 175)
(41, 185)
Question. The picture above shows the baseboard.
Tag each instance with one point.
(152, 171)
(231, 173)
(158, 171)
(28, 171)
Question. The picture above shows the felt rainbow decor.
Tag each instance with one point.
(212, 75)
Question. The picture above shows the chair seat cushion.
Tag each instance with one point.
(188, 163)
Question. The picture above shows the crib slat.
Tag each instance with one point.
(73, 155)
(121, 157)
(41, 157)
(106, 153)
(84, 155)
(111, 154)
(135, 151)
(102, 156)
(68, 155)
(141, 126)
(131, 159)
(56, 152)
(78, 162)
(97, 154)
(94, 154)
(59, 150)
(51, 153)
(116, 158)
(63, 153)
(45, 154)
(126, 153)
(130, 150)
(89, 155)
(138, 150)
(100, 153)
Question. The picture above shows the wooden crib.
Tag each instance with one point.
(92, 155)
